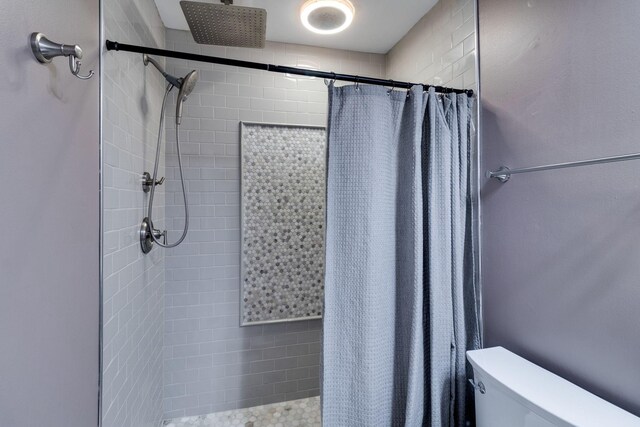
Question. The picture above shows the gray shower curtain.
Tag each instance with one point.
(400, 306)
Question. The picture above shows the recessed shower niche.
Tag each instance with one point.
(282, 222)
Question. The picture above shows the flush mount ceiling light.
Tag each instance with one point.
(327, 16)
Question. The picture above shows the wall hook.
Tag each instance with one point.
(74, 66)
(45, 50)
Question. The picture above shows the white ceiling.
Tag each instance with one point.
(377, 25)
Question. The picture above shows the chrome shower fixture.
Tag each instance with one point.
(146, 241)
(146, 59)
(185, 84)
(226, 24)
(148, 233)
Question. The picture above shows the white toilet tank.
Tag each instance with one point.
(513, 392)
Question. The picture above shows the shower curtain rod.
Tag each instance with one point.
(111, 45)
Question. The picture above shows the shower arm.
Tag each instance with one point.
(146, 59)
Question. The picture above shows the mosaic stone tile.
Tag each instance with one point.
(295, 413)
(283, 218)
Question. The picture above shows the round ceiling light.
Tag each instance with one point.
(327, 16)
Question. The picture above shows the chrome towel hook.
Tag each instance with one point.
(45, 50)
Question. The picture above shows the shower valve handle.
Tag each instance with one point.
(157, 234)
(147, 182)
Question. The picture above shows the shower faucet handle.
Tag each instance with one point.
(149, 235)
(147, 182)
(157, 234)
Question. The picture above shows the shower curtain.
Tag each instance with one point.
(400, 307)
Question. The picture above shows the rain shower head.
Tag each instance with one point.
(225, 24)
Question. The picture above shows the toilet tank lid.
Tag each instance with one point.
(547, 394)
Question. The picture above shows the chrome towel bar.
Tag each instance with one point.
(503, 173)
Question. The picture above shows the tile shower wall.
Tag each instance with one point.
(440, 49)
(133, 282)
(212, 364)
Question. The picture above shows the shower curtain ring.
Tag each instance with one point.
(332, 81)
(358, 83)
(393, 86)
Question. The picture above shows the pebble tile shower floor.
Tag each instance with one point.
(294, 413)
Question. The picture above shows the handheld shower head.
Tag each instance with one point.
(187, 84)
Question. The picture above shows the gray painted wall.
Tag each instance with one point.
(49, 260)
(133, 306)
(561, 277)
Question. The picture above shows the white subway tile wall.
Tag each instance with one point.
(211, 364)
(133, 283)
(440, 49)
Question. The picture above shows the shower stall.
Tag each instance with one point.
(191, 335)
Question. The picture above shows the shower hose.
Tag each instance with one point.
(155, 174)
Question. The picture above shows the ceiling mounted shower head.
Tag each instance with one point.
(226, 25)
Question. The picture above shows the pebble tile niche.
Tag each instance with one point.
(283, 222)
